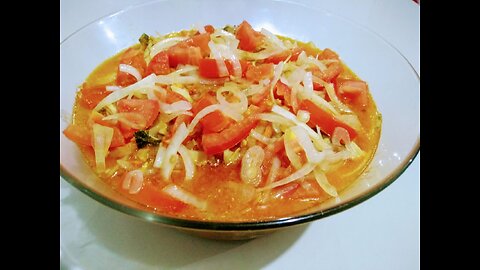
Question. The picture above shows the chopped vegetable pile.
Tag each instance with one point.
(226, 123)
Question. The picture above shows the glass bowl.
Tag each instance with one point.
(393, 82)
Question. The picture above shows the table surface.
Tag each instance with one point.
(386, 227)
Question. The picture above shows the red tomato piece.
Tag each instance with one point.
(90, 96)
(160, 64)
(326, 121)
(249, 39)
(134, 58)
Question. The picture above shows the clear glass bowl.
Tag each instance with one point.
(393, 83)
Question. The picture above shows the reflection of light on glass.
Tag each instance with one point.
(380, 162)
(108, 31)
(397, 156)
(270, 27)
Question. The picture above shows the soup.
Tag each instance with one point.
(225, 124)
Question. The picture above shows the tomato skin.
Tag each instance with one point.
(160, 64)
(277, 58)
(134, 58)
(215, 143)
(284, 92)
(209, 28)
(83, 135)
(90, 96)
(257, 73)
(352, 90)
(328, 54)
(184, 55)
(147, 107)
(249, 39)
(326, 121)
(208, 68)
(214, 121)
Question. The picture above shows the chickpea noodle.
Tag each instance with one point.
(226, 124)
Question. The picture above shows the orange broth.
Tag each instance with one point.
(218, 184)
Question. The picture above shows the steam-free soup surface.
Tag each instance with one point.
(226, 124)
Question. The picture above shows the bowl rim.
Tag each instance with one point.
(256, 225)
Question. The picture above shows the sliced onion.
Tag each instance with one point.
(289, 142)
(290, 116)
(272, 175)
(351, 120)
(340, 134)
(182, 91)
(333, 97)
(254, 89)
(303, 116)
(187, 162)
(260, 137)
(273, 39)
(308, 84)
(130, 119)
(115, 96)
(320, 102)
(164, 44)
(160, 157)
(277, 72)
(171, 152)
(166, 118)
(185, 196)
(111, 88)
(209, 109)
(354, 150)
(303, 171)
(216, 54)
(304, 141)
(251, 170)
(322, 181)
(102, 138)
(240, 106)
(130, 70)
(275, 118)
(133, 181)
(179, 106)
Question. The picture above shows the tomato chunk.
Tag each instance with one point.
(257, 73)
(208, 68)
(214, 121)
(249, 39)
(134, 58)
(160, 64)
(215, 143)
(83, 135)
(353, 90)
(148, 108)
(328, 54)
(326, 121)
(90, 96)
(277, 58)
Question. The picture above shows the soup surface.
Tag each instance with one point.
(225, 124)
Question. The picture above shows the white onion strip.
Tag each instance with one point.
(130, 70)
(185, 196)
(312, 154)
(171, 153)
(209, 109)
(272, 175)
(215, 52)
(340, 134)
(322, 181)
(164, 44)
(261, 138)
(148, 81)
(333, 97)
(133, 186)
(176, 107)
(102, 138)
(240, 106)
(111, 88)
(159, 157)
(187, 162)
(303, 171)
